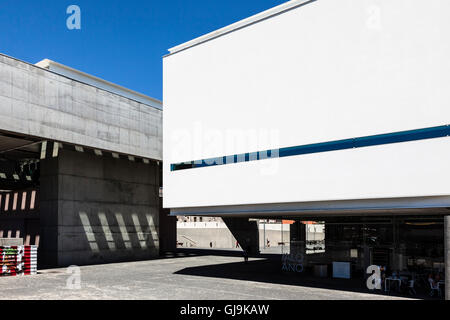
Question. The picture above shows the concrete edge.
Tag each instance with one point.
(348, 207)
(241, 24)
(47, 63)
(63, 76)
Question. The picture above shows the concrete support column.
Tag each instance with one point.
(98, 209)
(167, 231)
(246, 233)
(447, 256)
(298, 240)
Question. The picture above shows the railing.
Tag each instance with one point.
(190, 240)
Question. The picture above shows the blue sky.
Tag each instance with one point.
(122, 41)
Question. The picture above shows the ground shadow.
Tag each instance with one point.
(268, 270)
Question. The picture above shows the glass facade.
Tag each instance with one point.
(409, 250)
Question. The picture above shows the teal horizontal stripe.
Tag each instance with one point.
(376, 140)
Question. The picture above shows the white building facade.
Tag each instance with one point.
(314, 109)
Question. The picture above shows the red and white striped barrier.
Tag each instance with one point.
(18, 260)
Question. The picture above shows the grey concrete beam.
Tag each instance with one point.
(414, 205)
(40, 103)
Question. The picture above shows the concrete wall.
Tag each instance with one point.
(275, 237)
(43, 104)
(201, 234)
(4, 242)
(221, 238)
(98, 210)
(98, 83)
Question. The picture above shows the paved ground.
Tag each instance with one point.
(189, 276)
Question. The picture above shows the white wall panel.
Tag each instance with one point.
(325, 71)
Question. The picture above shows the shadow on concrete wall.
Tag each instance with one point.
(113, 237)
